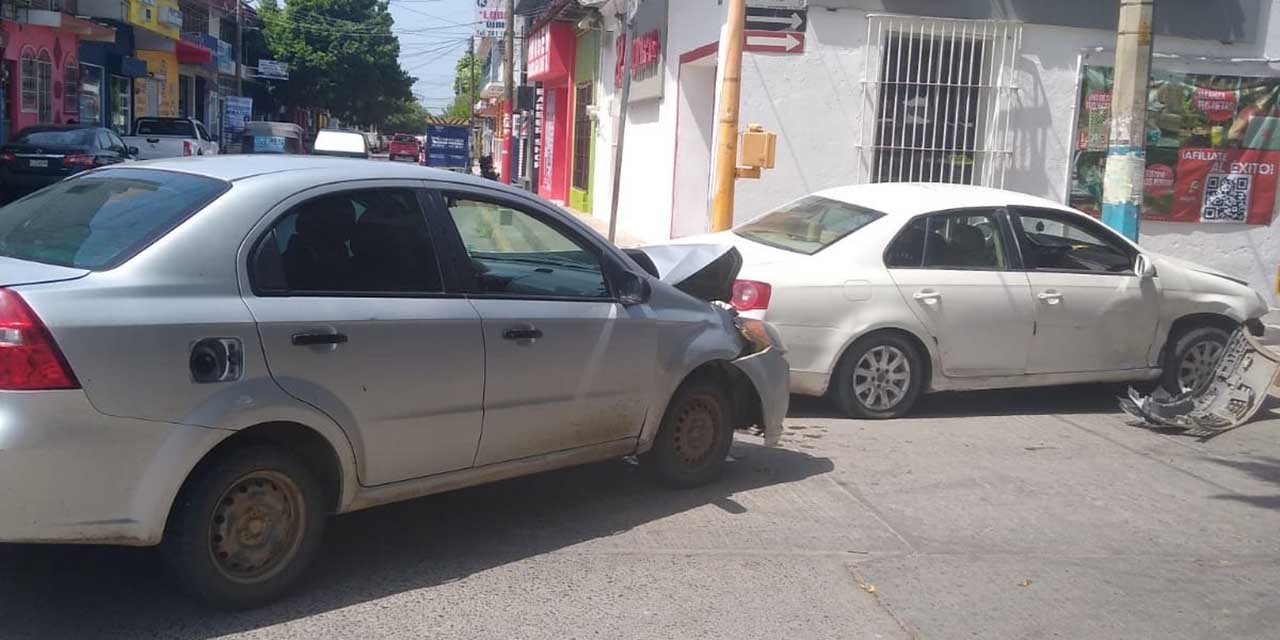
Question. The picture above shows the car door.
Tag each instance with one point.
(956, 270)
(566, 365)
(355, 320)
(1093, 313)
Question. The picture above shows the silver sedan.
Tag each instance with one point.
(213, 354)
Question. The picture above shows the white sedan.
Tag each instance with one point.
(883, 292)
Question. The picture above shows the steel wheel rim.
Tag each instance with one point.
(882, 377)
(257, 526)
(1197, 364)
(696, 430)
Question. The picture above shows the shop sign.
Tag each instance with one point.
(647, 52)
(226, 62)
(550, 52)
(491, 18)
(1212, 147)
(273, 70)
(235, 112)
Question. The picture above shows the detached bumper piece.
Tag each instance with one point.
(1242, 378)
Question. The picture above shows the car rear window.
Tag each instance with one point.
(808, 225)
(101, 219)
(182, 128)
(69, 137)
(405, 138)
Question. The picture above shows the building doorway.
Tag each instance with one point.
(695, 128)
(583, 144)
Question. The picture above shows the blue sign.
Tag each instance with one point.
(235, 113)
(268, 144)
(447, 145)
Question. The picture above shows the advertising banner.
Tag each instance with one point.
(491, 18)
(235, 112)
(1212, 147)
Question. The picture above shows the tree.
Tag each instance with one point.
(342, 57)
(409, 116)
(468, 70)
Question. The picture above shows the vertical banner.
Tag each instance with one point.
(1212, 142)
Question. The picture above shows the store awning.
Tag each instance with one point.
(88, 29)
(191, 53)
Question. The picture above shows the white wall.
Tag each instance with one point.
(814, 102)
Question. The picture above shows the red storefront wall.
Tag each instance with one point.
(60, 49)
(550, 61)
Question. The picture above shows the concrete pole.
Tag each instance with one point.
(239, 50)
(509, 85)
(1126, 151)
(473, 139)
(622, 122)
(727, 134)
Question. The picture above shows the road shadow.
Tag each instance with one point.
(103, 592)
(1072, 399)
(1261, 468)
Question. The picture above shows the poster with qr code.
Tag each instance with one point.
(1225, 186)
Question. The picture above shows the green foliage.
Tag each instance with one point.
(341, 55)
(409, 117)
(468, 70)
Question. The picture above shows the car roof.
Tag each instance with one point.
(234, 167)
(913, 198)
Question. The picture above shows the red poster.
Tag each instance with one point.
(1224, 185)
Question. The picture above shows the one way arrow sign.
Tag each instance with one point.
(777, 19)
(774, 42)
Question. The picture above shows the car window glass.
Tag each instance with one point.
(1055, 242)
(907, 249)
(116, 141)
(369, 241)
(513, 252)
(104, 140)
(204, 135)
(808, 225)
(963, 240)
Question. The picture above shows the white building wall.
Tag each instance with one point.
(814, 102)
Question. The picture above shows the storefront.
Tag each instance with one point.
(157, 93)
(106, 78)
(584, 119)
(41, 63)
(197, 73)
(552, 49)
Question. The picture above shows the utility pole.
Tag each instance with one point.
(509, 84)
(727, 132)
(474, 141)
(622, 123)
(239, 51)
(1126, 150)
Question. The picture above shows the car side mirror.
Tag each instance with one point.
(633, 289)
(133, 152)
(1143, 267)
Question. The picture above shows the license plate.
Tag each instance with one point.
(37, 163)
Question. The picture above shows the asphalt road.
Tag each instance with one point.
(995, 515)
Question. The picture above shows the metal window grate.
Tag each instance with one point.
(936, 100)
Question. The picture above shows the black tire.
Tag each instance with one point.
(262, 472)
(1184, 344)
(695, 435)
(884, 404)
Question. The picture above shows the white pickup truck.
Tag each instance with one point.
(170, 138)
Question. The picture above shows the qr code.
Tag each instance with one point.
(1226, 197)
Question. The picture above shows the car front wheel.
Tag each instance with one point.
(881, 376)
(1190, 362)
(245, 527)
(695, 435)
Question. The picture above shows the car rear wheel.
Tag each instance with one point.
(881, 376)
(245, 527)
(695, 435)
(1190, 363)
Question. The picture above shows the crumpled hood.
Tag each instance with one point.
(704, 271)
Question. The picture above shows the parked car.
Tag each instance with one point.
(404, 145)
(171, 138)
(345, 144)
(42, 155)
(214, 354)
(272, 137)
(884, 292)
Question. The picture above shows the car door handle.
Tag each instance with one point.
(521, 334)
(312, 339)
(927, 297)
(1050, 297)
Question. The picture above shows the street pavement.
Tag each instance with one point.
(1016, 514)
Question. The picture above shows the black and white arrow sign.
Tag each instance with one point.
(774, 42)
(777, 19)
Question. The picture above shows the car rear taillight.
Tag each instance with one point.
(186, 148)
(29, 358)
(78, 160)
(749, 295)
(7, 157)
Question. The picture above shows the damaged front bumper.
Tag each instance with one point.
(770, 375)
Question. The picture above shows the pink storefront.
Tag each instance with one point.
(41, 62)
(550, 60)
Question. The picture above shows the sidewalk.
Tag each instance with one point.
(602, 226)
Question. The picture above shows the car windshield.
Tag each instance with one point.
(69, 137)
(101, 219)
(807, 225)
(182, 128)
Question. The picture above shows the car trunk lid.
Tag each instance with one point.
(42, 159)
(14, 272)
